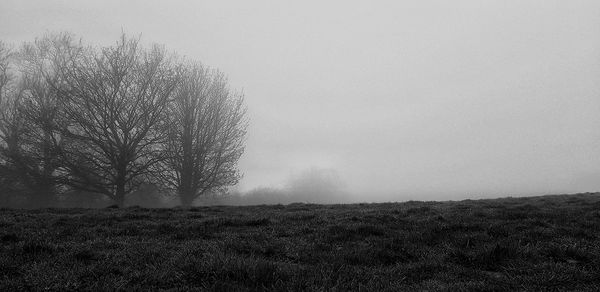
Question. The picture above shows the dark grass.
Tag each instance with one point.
(537, 243)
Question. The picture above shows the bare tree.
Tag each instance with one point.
(107, 120)
(5, 76)
(11, 132)
(29, 115)
(40, 108)
(113, 102)
(5, 92)
(10, 124)
(207, 127)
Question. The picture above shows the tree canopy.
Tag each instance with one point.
(106, 120)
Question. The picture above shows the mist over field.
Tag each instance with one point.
(392, 145)
(426, 100)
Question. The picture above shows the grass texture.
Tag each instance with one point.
(536, 243)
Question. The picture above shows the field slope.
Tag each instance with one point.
(535, 243)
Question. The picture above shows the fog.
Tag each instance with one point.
(385, 101)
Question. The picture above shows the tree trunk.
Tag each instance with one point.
(120, 181)
(43, 196)
(186, 192)
(187, 198)
(120, 195)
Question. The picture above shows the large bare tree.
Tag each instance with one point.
(10, 124)
(7, 97)
(207, 126)
(40, 106)
(107, 120)
(5, 76)
(113, 101)
(28, 120)
(6, 91)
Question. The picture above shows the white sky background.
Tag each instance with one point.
(405, 99)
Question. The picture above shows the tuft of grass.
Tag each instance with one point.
(37, 248)
(8, 238)
(85, 255)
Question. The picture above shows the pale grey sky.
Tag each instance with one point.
(404, 99)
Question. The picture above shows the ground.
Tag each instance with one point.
(536, 243)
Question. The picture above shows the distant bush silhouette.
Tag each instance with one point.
(317, 186)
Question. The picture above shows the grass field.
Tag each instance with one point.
(536, 243)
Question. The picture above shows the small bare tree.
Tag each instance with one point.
(207, 127)
(113, 101)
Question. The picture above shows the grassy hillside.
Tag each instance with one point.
(536, 243)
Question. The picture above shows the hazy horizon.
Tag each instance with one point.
(400, 99)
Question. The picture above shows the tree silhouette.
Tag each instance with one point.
(206, 126)
(107, 120)
(113, 101)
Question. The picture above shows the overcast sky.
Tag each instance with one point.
(404, 99)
